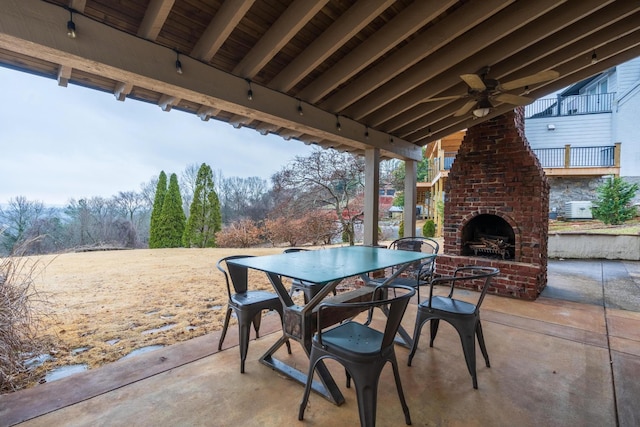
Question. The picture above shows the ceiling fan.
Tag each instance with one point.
(483, 90)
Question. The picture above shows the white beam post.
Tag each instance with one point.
(410, 197)
(371, 195)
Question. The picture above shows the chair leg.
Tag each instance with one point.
(396, 374)
(468, 339)
(434, 330)
(420, 321)
(483, 348)
(257, 319)
(307, 388)
(245, 325)
(224, 328)
(367, 395)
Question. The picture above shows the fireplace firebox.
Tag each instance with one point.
(488, 236)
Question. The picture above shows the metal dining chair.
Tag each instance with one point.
(420, 272)
(462, 315)
(247, 304)
(309, 289)
(361, 348)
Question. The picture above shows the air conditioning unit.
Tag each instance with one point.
(578, 210)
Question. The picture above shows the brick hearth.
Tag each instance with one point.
(495, 173)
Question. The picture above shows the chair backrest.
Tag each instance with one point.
(416, 244)
(396, 307)
(422, 269)
(236, 274)
(290, 250)
(476, 277)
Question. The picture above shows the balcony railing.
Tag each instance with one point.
(570, 105)
(607, 156)
(439, 164)
(595, 159)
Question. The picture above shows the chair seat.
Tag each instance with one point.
(254, 297)
(450, 305)
(353, 337)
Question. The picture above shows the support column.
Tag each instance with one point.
(410, 197)
(371, 195)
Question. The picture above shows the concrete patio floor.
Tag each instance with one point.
(571, 358)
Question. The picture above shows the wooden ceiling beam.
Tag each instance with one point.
(154, 18)
(497, 26)
(444, 32)
(398, 29)
(281, 32)
(122, 90)
(342, 30)
(205, 112)
(403, 111)
(222, 24)
(167, 102)
(64, 74)
(266, 128)
(78, 5)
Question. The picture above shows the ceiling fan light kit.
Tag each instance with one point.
(482, 90)
(481, 112)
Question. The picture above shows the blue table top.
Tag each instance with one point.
(325, 265)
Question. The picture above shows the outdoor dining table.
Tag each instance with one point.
(328, 266)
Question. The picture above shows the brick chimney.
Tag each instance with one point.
(497, 208)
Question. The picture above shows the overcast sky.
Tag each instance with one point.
(59, 143)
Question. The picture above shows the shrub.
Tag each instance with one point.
(429, 228)
(240, 234)
(19, 321)
(285, 230)
(401, 229)
(613, 203)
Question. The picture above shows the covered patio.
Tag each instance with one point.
(570, 358)
(378, 78)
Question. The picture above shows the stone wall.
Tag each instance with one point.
(567, 189)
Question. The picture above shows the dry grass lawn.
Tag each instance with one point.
(109, 301)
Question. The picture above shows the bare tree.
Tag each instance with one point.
(16, 220)
(129, 202)
(148, 191)
(326, 179)
(243, 198)
(188, 180)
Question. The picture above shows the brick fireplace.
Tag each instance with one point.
(497, 207)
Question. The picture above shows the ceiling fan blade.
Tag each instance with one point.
(474, 81)
(444, 98)
(465, 108)
(542, 76)
(513, 99)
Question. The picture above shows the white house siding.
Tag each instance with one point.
(582, 130)
(627, 76)
(627, 117)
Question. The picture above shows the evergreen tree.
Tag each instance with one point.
(613, 205)
(172, 220)
(204, 214)
(158, 201)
